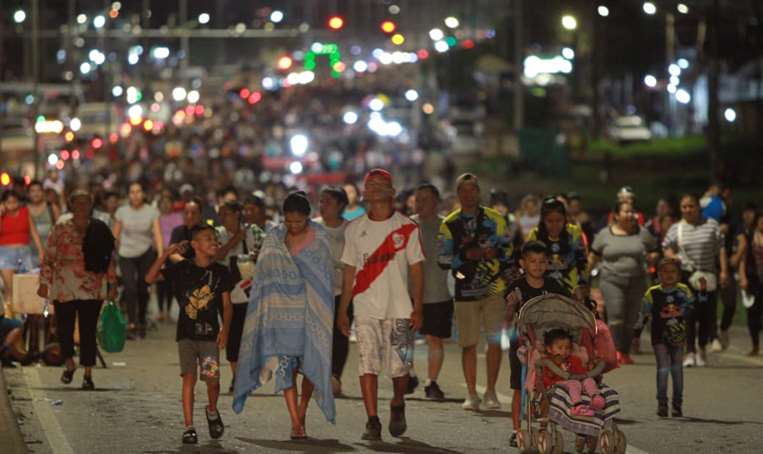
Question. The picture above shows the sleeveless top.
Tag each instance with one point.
(14, 229)
(44, 223)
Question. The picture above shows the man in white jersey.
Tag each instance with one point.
(382, 251)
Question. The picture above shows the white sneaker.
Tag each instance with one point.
(716, 346)
(689, 360)
(471, 403)
(491, 401)
(701, 359)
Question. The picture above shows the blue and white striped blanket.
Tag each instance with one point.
(290, 314)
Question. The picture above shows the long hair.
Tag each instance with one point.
(552, 205)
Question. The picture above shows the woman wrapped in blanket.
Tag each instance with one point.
(290, 317)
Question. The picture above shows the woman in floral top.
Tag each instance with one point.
(75, 291)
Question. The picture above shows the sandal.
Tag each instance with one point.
(298, 433)
(67, 376)
(216, 427)
(190, 437)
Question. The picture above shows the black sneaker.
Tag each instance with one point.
(216, 427)
(397, 424)
(373, 429)
(87, 384)
(676, 411)
(662, 409)
(513, 440)
(434, 392)
(190, 437)
(413, 383)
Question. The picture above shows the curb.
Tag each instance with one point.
(10, 435)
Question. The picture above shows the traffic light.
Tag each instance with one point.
(336, 22)
(388, 26)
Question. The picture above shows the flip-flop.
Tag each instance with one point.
(298, 433)
(68, 375)
(216, 427)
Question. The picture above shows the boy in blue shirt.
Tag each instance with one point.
(667, 305)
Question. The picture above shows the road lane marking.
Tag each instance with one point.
(51, 428)
(504, 399)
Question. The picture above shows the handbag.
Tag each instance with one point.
(112, 329)
(711, 280)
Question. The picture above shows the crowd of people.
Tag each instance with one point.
(282, 290)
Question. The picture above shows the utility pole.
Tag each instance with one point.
(518, 116)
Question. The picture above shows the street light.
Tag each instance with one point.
(682, 8)
(674, 70)
(436, 34)
(683, 63)
(276, 16)
(683, 96)
(568, 53)
(603, 11)
(204, 18)
(730, 115)
(19, 16)
(99, 21)
(650, 81)
(569, 22)
(451, 22)
(649, 8)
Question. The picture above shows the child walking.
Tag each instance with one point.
(534, 262)
(667, 305)
(202, 286)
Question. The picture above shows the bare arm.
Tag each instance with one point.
(117, 231)
(348, 281)
(222, 338)
(36, 238)
(157, 231)
(156, 268)
(416, 273)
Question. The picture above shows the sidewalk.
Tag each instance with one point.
(10, 436)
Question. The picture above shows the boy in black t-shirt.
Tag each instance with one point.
(534, 261)
(202, 286)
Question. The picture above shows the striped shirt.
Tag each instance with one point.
(699, 245)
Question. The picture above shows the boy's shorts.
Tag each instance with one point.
(384, 346)
(203, 356)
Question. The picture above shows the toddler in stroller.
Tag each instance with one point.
(564, 354)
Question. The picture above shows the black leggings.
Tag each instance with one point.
(729, 301)
(704, 315)
(135, 296)
(755, 316)
(236, 331)
(341, 343)
(66, 314)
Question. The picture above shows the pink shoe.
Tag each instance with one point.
(582, 410)
(598, 402)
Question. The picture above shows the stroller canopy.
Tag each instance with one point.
(555, 311)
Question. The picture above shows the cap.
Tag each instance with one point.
(378, 172)
(467, 178)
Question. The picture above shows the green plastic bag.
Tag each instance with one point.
(112, 329)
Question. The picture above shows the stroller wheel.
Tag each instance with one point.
(606, 442)
(621, 443)
(524, 440)
(558, 447)
(580, 443)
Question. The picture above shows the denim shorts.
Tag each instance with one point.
(6, 326)
(15, 258)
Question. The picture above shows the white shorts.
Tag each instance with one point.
(384, 346)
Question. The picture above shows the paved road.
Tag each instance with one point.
(137, 410)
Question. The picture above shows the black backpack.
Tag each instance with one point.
(98, 246)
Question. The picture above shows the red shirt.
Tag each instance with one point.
(572, 365)
(14, 229)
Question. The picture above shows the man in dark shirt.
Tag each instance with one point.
(534, 262)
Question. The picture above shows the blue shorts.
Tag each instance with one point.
(15, 258)
(6, 326)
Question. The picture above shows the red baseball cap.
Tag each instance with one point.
(378, 173)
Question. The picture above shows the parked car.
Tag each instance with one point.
(630, 128)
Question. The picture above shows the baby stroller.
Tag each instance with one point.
(547, 411)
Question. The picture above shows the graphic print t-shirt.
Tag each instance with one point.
(199, 294)
(381, 252)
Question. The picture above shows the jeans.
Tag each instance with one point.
(704, 315)
(135, 296)
(622, 299)
(340, 344)
(669, 358)
(66, 314)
